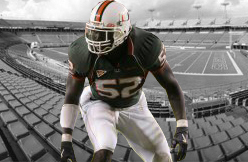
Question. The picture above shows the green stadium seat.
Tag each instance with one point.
(43, 129)
(220, 116)
(190, 145)
(228, 118)
(211, 130)
(122, 140)
(4, 92)
(196, 133)
(38, 102)
(120, 153)
(14, 103)
(191, 156)
(55, 141)
(8, 159)
(244, 138)
(213, 153)
(199, 120)
(57, 126)
(79, 135)
(210, 118)
(232, 147)
(8, 97)
(46, 107)
(219, 137)
(31, 147)
(32, 106)
(3, 150)
(235, 131)
(216, 122)
(81, 154)
(19, 95)
(3, 107)
(237, 121)
(40, 112)
(17, 130)
(89, 144)
(225, 126)
(47, 157)
(51, 119)
(133, 157)
(25, 100)
(204, 125)
(31, 119)
(8, 117)
(22, 111)
(80, 123)
(55, 111)
(202, 142)
(242, 157)
(32, 98)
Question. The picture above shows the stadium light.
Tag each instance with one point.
(197, 7)
(151, 11)
(225, 4)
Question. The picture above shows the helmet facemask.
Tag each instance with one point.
(101, 39)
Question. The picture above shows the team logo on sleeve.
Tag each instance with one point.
(70, 65)
(100, 73)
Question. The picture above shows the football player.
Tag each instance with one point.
(116, 58)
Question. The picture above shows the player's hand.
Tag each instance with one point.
(67, 152)
(180, 140)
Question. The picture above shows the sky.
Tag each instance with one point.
(79, 10)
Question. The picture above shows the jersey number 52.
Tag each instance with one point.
(104, 88)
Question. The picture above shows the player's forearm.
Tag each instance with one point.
(176, 99)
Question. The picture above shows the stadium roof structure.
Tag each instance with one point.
(41, 24)
(208, 22)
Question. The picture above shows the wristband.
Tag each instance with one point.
(182, 123)
(66, 138)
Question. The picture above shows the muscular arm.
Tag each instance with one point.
(74, 88)
(167, 80)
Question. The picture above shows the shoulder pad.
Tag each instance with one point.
(147, 47)
(79, 58)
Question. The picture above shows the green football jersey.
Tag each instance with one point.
(117, 78)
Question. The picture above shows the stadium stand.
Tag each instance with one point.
(30, 99)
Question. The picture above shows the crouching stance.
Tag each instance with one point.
(116, 58)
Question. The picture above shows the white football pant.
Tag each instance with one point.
(136, 123)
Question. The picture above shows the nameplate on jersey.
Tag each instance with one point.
(100, 73)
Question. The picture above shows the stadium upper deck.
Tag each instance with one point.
(40, 24)
(192, 23)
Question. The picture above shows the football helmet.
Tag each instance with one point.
(108, 27)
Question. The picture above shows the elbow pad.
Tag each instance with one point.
(68, 115)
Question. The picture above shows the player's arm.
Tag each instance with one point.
(167, 80)
(69, 113)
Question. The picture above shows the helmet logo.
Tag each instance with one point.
(100, 73)
(110, 25)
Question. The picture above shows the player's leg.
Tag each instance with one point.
(143, 133)
(100, 125)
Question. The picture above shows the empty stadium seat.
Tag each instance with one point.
(17, 130)
(43, 130)
(219, 137)
(232, 148)
(27, 145)
(213, 153)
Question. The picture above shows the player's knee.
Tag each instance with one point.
(162, 157)
(102, 155)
